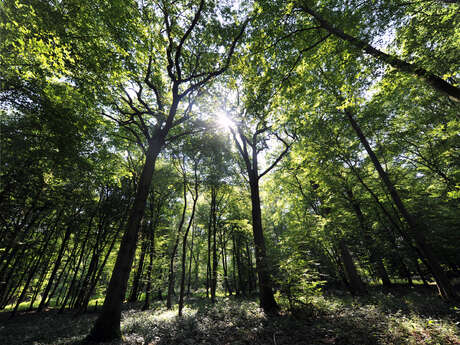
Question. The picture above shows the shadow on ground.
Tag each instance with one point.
(382, 318)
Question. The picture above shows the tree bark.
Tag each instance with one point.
(353, 278)
(137, 278)
(55, 268)
(184, 244)
(107, 326)
(80, 259)
(148, 286)
(445, 288)
(189, 279)
(267, 300)
(374, 255)
(214, 244)
(171, 278)
(266, 297)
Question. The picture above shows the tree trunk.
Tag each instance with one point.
(445, 288)
(251, 283)
(137, 278)
(107, 326)
(55, 269)
(32, 273)
(197, 269)
(407, 273)
(375, 257)
(184, 257)
(267, 300)
(420, 273)
(354, 281)
(382, 273)
(150, 267)
(184, 243)
(237, 246)
(214, 244)
(98, 272)
(171, 278)
(189, 280)
(80, 259)
(208, 262)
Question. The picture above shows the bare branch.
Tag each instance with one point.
(280, 157)
(187, 111)
(184, 38)
(183, 134)
(152, 86)
(170, 45)
(243, 150)
(219, 71)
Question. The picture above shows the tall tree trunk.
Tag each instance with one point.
(197, 269)
(234, 280)
(225, 269)
(148, 286)
(189, 280)
(98, 273)
(80, 259)
(267, 300)
(137, 277)
(237, 248)
(353, 278)
(214, 244)
(55, 268)
(32, 272)
(251, 283)
(107, 326)
(184, 247)
(374, 256)
(171, 276)
(445, 288)
(208, 262)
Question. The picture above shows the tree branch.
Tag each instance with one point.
(277, 160)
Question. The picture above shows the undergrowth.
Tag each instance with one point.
(380, 318)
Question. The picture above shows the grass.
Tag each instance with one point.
(401, 316)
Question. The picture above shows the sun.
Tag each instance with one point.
(223, 120)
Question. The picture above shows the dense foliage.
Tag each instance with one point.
(158, 150)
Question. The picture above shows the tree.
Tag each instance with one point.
(189, 67)
(249, 145)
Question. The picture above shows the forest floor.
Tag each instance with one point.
(397, 316)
